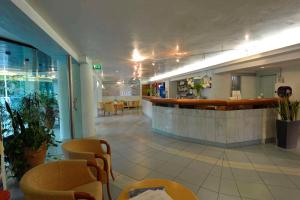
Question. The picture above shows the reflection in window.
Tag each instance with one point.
(235, 83)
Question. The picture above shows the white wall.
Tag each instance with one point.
(221, 87)
(291, 77)
(125, 98)
(87, 100)
(248, 87)
(172, 89)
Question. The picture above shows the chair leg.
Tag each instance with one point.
(112, 174)
(108, 186)
(102, 193)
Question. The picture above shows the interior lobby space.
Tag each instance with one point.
(139, 100)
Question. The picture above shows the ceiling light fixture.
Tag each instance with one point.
(153, 64)
(136, 56)
(278, 40)
(246, 37)
(177, 60)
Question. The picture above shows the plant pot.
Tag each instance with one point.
(287, 133)
(36, 157)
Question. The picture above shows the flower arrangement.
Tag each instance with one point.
(190, 83)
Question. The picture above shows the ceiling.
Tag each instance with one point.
(107, 31)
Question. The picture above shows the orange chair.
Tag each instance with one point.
(63, 180)
(89, 149)
(109, 108)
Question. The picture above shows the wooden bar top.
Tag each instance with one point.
(218, 103)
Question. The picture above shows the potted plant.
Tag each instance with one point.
(198, 87)
(49, 103)
(27, 136)
(288, 127)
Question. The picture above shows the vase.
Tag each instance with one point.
(36, 157)
(287, 133)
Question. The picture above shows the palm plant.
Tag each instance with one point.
(288, 110)
(26, 132)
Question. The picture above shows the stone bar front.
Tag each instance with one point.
(221, 123)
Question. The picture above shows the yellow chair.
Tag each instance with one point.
(109, 108)
(90, 149)
(136, 104)
(62, 180)
(119, 106)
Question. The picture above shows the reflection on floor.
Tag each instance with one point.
(254, 172)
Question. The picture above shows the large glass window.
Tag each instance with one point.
(25, 70)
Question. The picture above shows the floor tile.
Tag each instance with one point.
(157, 175)
(192, 187)
(228, 197)
(281, 193)
(254, 190)
(192, 176)
(229, 187)
(206, 194)
(212, 183)
(276, 179)
(246, 175)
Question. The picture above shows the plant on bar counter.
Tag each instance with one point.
(27, 134)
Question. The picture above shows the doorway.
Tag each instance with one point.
(267, 86)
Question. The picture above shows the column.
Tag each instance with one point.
(87, 97)
(63, 98)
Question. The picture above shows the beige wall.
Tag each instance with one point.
(125, 98)
(291, 77)
(248, 86)
(221, 86)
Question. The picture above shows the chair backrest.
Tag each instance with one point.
(136, 103)
(52, 180)
(82, 148)
(109, 107)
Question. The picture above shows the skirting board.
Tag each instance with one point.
(217, 144)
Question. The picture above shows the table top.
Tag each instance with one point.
(175, 190)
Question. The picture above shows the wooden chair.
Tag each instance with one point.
(109, 108)
(90, 149)
(63, 180)
(119, 106)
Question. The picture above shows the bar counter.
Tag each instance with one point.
(226, 123)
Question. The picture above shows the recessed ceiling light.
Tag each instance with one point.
(178, 60)
(153, 64)
(136, 56)
(247, 37)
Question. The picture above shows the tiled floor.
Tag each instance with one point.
(255, 172)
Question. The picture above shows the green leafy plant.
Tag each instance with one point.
(198, 87)
(50, 105)
(288, 110)
(26, 129)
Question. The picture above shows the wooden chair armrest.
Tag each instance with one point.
(104, 161)
(83, 195)
(107, 146)
(93, 163)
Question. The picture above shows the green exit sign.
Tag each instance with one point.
(97, 66)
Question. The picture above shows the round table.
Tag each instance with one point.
(174, 190)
